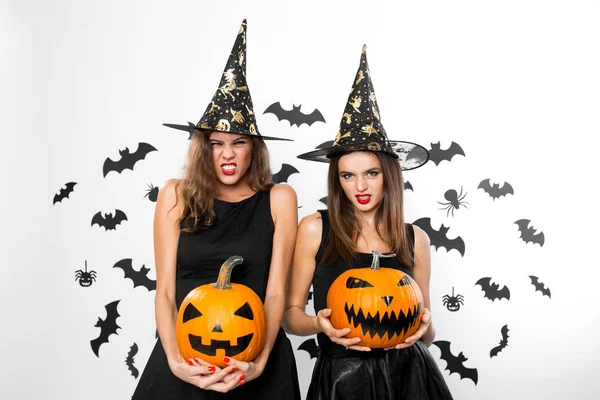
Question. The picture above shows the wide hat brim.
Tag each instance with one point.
(410, 155)
(190, 128)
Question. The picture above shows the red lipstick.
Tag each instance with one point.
(363, 198)
(228, 168)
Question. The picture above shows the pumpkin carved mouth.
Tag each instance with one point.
(379, 325)
(211, 349)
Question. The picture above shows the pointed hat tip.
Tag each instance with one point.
(364, 50)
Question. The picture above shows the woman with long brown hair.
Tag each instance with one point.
(225, 205)
(364, 219)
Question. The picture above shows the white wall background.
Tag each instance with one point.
(515, 83)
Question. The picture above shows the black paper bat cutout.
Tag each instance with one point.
(323, 200)
(108, 221)
(528, 234)
(494, 190)
(139, 278)
(284, 173)
(492, 290)
(539, 286)
(190, 128)
(311, 347)
(503, 342)
(455, 363)
(107, 326)
(129, 361)
(408, 186)
(439, 238)
(64, 193)
(295, 116)
(128, 159)
(437, 155)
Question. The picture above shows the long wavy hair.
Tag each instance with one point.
(200, 180)
(389, 217)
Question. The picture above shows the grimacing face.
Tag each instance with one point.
(232, 156)
(361, 179)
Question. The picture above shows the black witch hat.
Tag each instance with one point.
(361, 127)
(231, 109)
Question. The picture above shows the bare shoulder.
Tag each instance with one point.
(421, 238)
(170, 196)
(310, 229)
(309, 236)
(283, 193)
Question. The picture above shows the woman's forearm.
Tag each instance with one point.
(297, 322)
(166, 316)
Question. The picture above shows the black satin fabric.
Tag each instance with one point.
(342, 374)
(410, 374)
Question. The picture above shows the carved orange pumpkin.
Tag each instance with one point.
(221, 319)
(382, 306)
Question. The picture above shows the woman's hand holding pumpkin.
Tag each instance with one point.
(337, 335)
(204, 375)
(247, 370)
(425, 323)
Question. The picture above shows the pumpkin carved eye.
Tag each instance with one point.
(245, 311)
(353, 283)
(190, 312)
(404, 281)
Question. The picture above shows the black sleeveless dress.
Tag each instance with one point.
(410, 373)
(246, 229)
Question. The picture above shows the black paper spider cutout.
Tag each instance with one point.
(85, 278)
(454, 201)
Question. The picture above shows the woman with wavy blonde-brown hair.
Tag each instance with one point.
(364, 220)
(225, 205)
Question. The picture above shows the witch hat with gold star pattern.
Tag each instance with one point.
(361, 128)
(231, 109)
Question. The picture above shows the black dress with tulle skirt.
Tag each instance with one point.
(246, 229)
(342, 374)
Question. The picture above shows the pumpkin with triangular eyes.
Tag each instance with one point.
(221, 320)
(381, 306)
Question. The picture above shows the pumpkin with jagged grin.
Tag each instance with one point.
(220, 320)
(381, 306)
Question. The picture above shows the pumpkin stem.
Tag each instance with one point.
(225, 272)
(376, 256)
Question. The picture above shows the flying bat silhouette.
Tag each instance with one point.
(190, 128)
(408, 186)
(491, 291)
(107, 326)
(437, 155)
(64, 193)
(439, 238)
(128, 159)
(455, 363)
(295, 116)
(108, 221)
(284, 173)
(129, 361)
(503, 342)
(494, 190)
(528, 234)
(139, 278)
(311, 347)
(539, 286)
